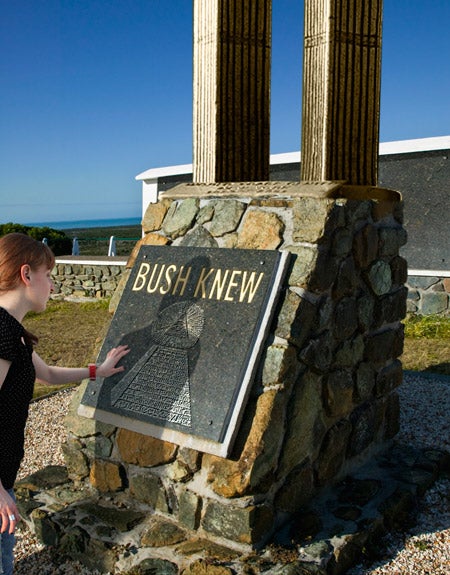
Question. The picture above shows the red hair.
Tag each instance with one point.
(16, 250)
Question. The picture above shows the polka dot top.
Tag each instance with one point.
(15, 396)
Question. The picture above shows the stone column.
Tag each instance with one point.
(341, 90)
(232, 44)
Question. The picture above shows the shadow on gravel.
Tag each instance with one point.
(442, 369)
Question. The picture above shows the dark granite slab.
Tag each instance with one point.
(195, 320)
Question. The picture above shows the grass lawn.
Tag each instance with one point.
(70, 334)
(427, 344)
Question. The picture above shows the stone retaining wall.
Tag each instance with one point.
(81, 278)
(428, 295)
(324, 396)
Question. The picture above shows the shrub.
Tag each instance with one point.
(57, 240)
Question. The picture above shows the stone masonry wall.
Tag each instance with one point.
(428, 295)
(80, 279)
(324, 396)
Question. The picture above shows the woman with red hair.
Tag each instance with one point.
(25, 285)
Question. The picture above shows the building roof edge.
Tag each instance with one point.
(386, 148)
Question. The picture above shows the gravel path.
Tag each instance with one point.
(425, 422)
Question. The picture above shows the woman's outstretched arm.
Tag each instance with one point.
(55, 375)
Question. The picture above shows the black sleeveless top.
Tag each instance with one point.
(15, 396)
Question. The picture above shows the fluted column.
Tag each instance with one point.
(341, 90)
(232, 45)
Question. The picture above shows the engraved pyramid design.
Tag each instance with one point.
(158, 385)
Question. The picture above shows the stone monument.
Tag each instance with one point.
(323, 395)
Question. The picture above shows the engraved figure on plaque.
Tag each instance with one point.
(158, 385)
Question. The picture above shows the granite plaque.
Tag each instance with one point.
(195, 320)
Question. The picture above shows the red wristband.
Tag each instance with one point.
(92, 371)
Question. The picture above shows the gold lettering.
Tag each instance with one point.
(181, 280)
(139, 282)
(212, 283)
(168, 277)
(250, 286)
(151, 289)
(232, 285)
(218, 284)
(201, 283)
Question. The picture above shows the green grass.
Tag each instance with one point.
(429, 326)
(427, 344)
(70, 334)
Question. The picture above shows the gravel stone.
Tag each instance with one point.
(422, 550)
(424, 422)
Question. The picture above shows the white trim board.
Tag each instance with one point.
(386, 148)
(429, 273)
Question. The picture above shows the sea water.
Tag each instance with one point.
(66, 225)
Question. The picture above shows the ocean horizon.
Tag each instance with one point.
(73, 224)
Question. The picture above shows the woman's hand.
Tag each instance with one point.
(9, 513)
(108, 367)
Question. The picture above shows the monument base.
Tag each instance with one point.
(322, 398)
(119, 535)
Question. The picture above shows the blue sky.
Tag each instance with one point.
(93, 92)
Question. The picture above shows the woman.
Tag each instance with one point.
(25, 285)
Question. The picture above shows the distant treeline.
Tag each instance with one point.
(57, 240)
